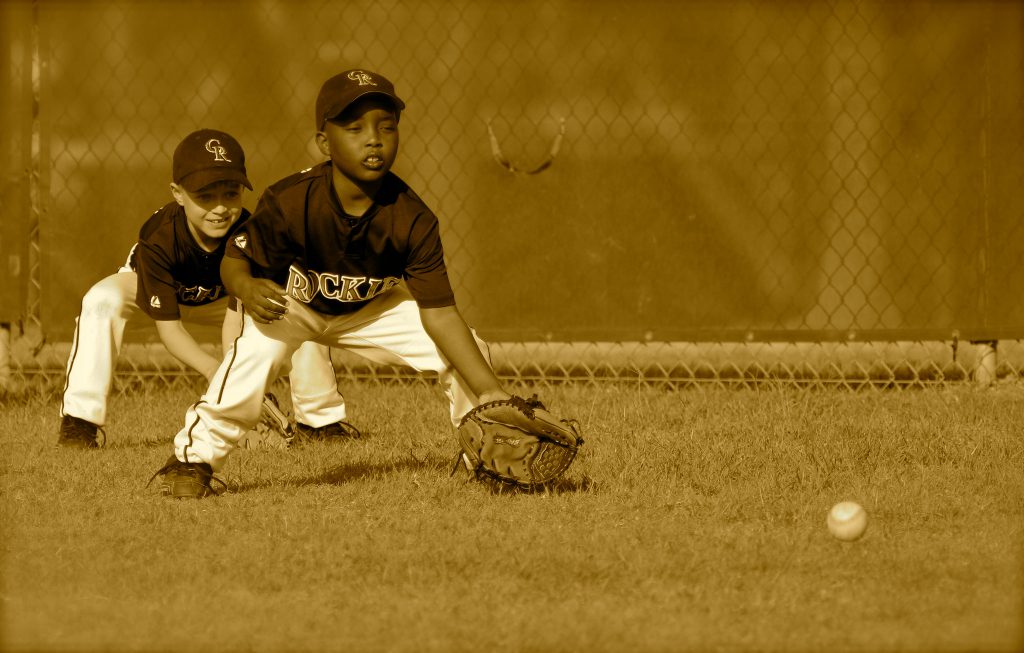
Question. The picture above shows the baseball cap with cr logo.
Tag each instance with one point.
(207, 156)
(345, 88)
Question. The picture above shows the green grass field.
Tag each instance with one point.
(692, 521)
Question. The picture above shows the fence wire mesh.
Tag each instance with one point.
(818, 193)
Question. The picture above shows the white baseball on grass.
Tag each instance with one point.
(847, 521)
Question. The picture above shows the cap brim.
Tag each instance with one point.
(203, 178)
(334, 112)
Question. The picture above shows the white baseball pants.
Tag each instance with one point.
(388, 331)
(109, 307)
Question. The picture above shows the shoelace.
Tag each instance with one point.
(462, 459)
(223, 486)
(80, 431)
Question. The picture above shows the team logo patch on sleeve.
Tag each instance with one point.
(154, 301)
(241, 241)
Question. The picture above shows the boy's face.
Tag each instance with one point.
(211, 210)
(362, 142)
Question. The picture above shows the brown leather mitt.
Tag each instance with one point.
(516, 443)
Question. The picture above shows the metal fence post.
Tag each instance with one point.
(5, 355)
(985, 373)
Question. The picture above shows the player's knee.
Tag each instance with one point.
(103, 300)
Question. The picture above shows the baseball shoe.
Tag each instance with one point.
(335, 431)
(186, 480)
(77, 433)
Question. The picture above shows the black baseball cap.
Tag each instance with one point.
(207, 156)
(345, 88)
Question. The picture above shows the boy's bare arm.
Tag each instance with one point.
(180, 343)
(263, 298)
(452, 336)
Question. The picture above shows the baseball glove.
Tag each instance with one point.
(273, 431)
(516, 443)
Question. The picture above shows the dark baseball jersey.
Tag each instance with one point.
(173, 269)
(300, 237)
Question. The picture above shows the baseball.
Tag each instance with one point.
(847, 521)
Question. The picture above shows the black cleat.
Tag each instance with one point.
(77, 433)
(336, 431)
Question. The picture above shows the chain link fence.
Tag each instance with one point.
(673, 193)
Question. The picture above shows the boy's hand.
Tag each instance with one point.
(264, 299)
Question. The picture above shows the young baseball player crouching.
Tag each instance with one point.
(172, 276)
(343, 254)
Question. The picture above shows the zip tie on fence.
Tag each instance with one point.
(505, 163)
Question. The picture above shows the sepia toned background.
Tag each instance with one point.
(677, 192)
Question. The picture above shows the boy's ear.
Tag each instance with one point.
(178, 193)
(323, 144)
